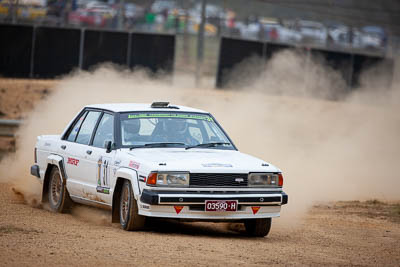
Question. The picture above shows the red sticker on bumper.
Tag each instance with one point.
(178, 209)
(255, 209)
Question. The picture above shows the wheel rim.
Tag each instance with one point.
(125, 204)
(56, 188)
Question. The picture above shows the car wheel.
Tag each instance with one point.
(59, 199)
(128, 210)
(258, 227)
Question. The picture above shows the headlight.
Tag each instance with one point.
(265, 180)
(168, 179)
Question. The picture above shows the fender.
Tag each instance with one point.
(132, 176)
(59, 162)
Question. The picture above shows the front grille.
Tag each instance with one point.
(218, 179)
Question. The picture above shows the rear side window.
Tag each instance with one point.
(75, 129)
(105, 131)
(86, 130)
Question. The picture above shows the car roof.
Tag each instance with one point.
(128, 107)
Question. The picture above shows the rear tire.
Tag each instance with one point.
(59, 198)
(128, 210)
(258, 227)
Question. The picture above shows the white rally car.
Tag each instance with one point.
(158, 160)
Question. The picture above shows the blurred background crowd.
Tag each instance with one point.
(255, 20)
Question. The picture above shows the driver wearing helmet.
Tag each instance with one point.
(130, 131)
(176, 130)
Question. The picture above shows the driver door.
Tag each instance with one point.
(101, 161)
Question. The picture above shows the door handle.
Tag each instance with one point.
(64, 147)
(89, 152)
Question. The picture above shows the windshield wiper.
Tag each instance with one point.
(209, 145)
(164, 144)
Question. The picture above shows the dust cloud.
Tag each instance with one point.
(327, 150)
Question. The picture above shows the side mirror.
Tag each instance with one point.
(108, 146)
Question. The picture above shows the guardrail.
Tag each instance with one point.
(9, 127)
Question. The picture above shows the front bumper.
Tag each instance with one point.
(260, 204)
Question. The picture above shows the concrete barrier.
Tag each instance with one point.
(349, 64)
(48, 52)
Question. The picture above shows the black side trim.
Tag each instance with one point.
(191, 191)
(149, 197)
(35, 171)
(285, 198)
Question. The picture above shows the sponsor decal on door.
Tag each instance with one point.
(73, 161)
(103, 175)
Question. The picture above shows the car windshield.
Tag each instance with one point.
(171, 129)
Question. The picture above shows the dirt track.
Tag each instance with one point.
(340, 234)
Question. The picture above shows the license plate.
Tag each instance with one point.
(221, 205)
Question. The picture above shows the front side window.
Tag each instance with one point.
(180, 129)
(75, 128)
(105, 131)
(86, 130)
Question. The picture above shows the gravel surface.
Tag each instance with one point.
(334, 234)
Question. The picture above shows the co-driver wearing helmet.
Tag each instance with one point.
(130, 130)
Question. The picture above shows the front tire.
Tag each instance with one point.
(258, 227)
(59, 198)
(128, 210)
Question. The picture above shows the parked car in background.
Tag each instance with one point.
(133, 11)
(278, 32)
(312, 32)
(160, 6)
(87, 17)
(96, 4)
(339, 35)
(24, 11)
(105, 10)
(373, 37)
(212, 11)
(250, 31)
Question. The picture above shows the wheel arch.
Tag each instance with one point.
(53, 161)
(122, 175)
